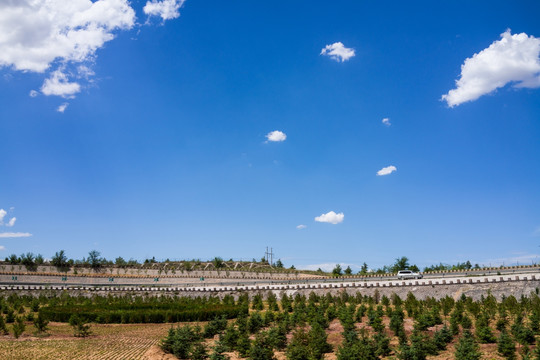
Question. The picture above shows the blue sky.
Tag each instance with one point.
(149, 136)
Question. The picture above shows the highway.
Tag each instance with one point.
(171, 282)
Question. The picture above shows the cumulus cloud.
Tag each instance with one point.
(331, 218)
(59, 85)
(166, 9)
(301, 226)
(386, 170)
(37, 35)
(3, 214)
(14, 235)
(513, 59)
(386, 121)
(337, 51)
(11, 222)
(276, 135)
(62, 108)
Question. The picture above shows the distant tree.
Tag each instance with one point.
(59, 259)
(13, 259)
(39, 259)
(120, 261)
(28, 260)
(414, 268)
(279, 264)
(348, 270)
(337, 270)
(400, 264)
(218, 262)
(364, 269)
(94, 259)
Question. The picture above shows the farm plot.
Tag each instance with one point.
(108, 342)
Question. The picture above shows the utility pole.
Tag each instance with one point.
(269, 256)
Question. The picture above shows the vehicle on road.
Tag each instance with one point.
(408, 274)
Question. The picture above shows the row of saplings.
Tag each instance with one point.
(16, 312)
(511, 324)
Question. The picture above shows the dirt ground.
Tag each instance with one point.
(141, 342)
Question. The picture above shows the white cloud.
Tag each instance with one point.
(33, 93)
(166, 9)
(386, 121)
(331, 218)
(301, 226)
(14, 235)
(337, 51)
(513, 59)
(59, 85)
(2, 248)
(36, 35)
(276, 135)
(11, 222)
(62, 107)
(3, 213)
(386, 170)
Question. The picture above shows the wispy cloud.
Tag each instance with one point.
(337, 51)
(331, 218)
(513, 59)
(14, 235)
(386, 170)
(276, 136)
(386, 121)
(3, 214)
(301, 226)
(2, 248)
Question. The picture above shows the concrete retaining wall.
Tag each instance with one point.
(474, 287)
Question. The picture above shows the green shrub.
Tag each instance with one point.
(18, 327)
(467, 348)
(80, 326)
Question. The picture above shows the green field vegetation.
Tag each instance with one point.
(309, 327)
(371, 328)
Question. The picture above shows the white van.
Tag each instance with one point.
(408, 274)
